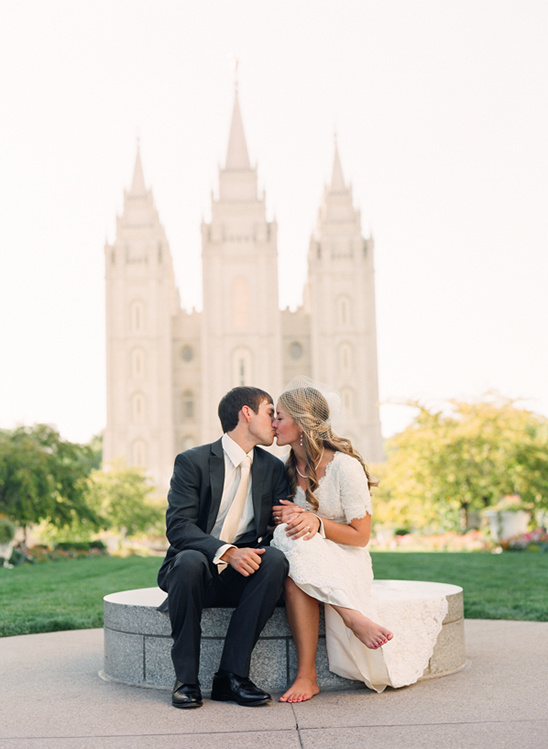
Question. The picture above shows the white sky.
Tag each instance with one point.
(441, 110)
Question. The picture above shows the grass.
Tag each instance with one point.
(513, 585)
(68, 594)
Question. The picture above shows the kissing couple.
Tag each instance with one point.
(227, 500)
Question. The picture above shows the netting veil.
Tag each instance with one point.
(312, 404)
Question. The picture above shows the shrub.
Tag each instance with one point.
(80, 545)
(7, 531)
(67, 550)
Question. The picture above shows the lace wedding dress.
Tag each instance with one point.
(342, 575)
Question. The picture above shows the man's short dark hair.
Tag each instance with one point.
(232, 403)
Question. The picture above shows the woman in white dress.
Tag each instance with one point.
(324, 533)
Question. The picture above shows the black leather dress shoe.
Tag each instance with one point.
(186, 695)
(229, 687)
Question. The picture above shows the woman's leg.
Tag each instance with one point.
(367, 631)
(303, 615)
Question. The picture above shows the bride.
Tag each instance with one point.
(324, 533)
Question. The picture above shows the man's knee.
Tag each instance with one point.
(189, 567)
(274, 561)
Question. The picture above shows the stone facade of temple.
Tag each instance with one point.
(167, 367)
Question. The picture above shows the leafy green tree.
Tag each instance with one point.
(96, 447)
(456, 461)
(121, 497)
(42, 477)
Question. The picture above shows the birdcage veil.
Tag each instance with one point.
(315, 406)
(312, 403)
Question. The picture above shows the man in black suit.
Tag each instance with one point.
(215, 556)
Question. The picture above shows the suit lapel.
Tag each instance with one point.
(216, 482)
(257, 477)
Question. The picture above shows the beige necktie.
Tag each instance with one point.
(232, 519)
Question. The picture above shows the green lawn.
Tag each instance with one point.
(513, 585)
(68, 594)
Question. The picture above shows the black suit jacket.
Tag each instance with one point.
(195, 496)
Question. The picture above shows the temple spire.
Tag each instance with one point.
(237, 158)
(337, 179)
(138, 183)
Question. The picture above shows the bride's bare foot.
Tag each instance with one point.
(371, 634)
(302, 689)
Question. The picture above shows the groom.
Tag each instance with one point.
(219, 506)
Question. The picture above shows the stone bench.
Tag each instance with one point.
(138, 640)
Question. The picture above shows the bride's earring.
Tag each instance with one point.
(301, 443)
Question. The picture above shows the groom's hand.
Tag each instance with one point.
(285, 512)
(245, 561)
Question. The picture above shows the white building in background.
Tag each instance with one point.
(168, 368)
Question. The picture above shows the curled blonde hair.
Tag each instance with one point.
(308, 407)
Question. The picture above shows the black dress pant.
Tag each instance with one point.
(193, 583)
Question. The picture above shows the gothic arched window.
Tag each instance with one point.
(137, 316)
(347, 398)
(138, 408)
(242, 367)
(187, 405)
(139, 453)
(296, 350)
(343, 311)
(187, 354)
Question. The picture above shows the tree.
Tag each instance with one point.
(120, 496)
(450, 463)
(42, 477)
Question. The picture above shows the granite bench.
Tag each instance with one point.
(138, 640)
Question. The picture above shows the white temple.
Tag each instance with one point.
(168, 368)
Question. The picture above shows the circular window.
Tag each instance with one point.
(187, 354)
(295, 350)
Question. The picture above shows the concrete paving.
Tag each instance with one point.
(51, 697)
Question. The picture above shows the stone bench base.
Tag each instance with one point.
(138, 640)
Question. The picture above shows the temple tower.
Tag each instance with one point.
(168, 367)
(340, 300)
(141, 301)
(241, 339)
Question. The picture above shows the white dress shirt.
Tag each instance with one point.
(233, 455)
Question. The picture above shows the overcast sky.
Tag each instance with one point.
(441, 113)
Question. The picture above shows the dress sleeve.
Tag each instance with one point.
(355, 496)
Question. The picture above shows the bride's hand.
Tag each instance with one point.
(285, 511)
(304, 525)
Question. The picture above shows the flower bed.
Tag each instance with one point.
(535, 540)
(475, 540)
(471, 541)
(40, 553)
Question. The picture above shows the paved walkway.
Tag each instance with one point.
(51, 697)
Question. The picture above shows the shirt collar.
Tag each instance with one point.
(235, 453)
